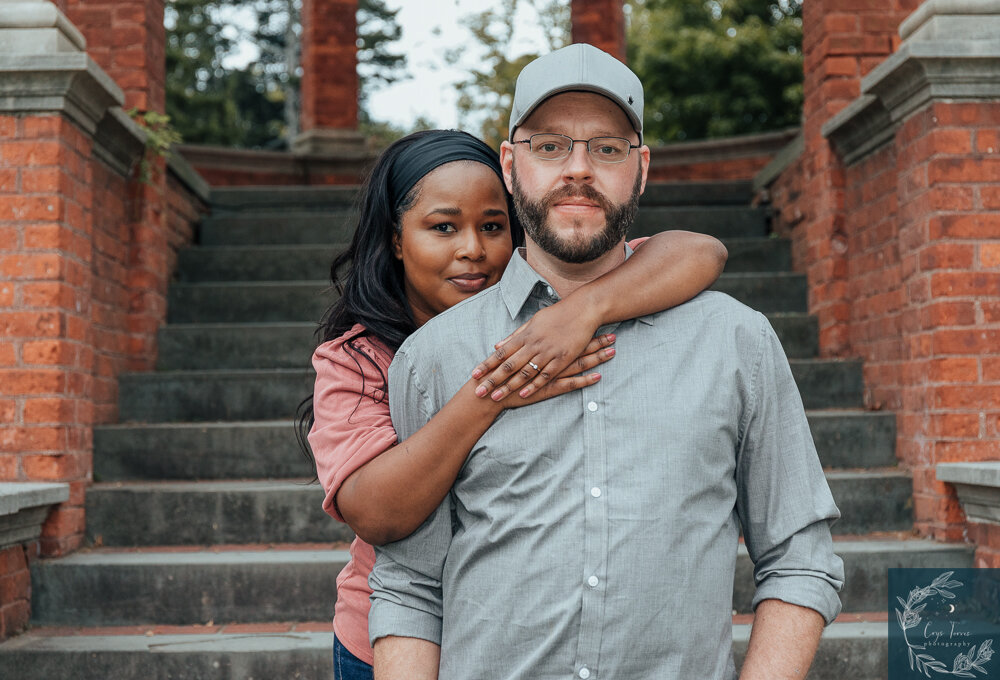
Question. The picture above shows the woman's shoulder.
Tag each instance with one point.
(344, 349)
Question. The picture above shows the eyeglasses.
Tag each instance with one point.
(552, 147)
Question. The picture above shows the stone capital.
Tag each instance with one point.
(37, 27)
(951, 51)
(23, 508)
(978, 487)
(70, 83)
(346, 144)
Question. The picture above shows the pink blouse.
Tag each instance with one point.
(352, 427)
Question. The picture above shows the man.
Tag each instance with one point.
(595, 535)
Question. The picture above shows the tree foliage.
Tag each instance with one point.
(717, 68)
(257, 106)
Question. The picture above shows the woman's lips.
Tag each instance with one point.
(469, 283)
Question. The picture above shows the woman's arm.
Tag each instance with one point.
(668, 269)
(391, 495)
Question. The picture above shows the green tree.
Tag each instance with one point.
(257, 106)
(488, 92)
(717, 68)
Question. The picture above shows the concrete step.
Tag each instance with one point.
(102, 587)
(239, 450)
(267, 345)
(298, 262)
(268, 449)
(270, 301)
(290, 344)
(851, 438)
(287, 511)
(280, 227)
(269, 394)
(735, 192)
(194, 396)
(256, 199)
(724, 222)
(215, 512)
(857, 650)
(258, 263)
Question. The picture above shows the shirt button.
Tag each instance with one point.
(592, 406)
(584, 673)
(548, 289)
(595, 492)
(593, 581)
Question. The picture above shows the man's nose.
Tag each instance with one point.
(578, 166)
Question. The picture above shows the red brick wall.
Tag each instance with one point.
(127, 40)
(15, 589)
(45, 312)
(600, 23)
(732, 168)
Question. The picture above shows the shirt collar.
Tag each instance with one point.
(519, 280)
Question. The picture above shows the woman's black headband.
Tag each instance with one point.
(432, 151)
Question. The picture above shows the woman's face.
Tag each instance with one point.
(455, 239)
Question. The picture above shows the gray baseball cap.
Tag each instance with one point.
(577, 67)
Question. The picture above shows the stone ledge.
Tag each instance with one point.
(188, 176)
(23, 508)
(721, 149)
(71, 83)
(931, 64)
(785, 157)
(978, 487)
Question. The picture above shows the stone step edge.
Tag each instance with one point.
(290, 553)
(304, 483)
(211, 631)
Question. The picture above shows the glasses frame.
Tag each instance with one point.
(572, 142)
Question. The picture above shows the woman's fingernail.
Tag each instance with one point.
(481, 390)
(524, 393)
(610, 351)
(611, 337)
(497, 396)
(476, 373)
(595, 376)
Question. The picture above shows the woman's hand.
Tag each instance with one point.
(557, 342)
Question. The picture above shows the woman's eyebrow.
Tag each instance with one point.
(494, 212)
(445, 211)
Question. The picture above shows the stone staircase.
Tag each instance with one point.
(212, 557)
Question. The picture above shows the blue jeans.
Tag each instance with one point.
(346, 666)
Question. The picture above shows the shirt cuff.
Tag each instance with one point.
(388, 618)
(813, 592)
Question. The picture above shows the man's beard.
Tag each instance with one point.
(534, 218)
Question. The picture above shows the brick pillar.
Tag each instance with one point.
(47, 131)
(842, 41)
(923, 151)
(329, 87)
(600, 23)
(127, 39)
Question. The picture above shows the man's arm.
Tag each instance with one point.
(783, 642)
(786, 509)
(402, 658)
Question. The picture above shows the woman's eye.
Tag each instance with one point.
(444, 227)
(493, 226)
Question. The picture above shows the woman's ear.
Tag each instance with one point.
(397, 248)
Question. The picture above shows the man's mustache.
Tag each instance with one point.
(577, 191)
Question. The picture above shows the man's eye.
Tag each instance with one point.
(607, 150)
(548, 148)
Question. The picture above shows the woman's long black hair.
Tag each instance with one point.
(369, 277)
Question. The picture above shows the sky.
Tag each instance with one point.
(430, 28)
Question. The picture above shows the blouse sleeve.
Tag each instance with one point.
(352, 413)
(636, 242)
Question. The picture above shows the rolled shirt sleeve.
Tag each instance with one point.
(406, 580)
(784, 502)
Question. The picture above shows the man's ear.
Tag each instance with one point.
(397, 246)
(644, 164)
(507, 164)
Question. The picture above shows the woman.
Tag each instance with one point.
(435, 227)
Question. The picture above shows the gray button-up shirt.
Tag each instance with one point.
(595, 534)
